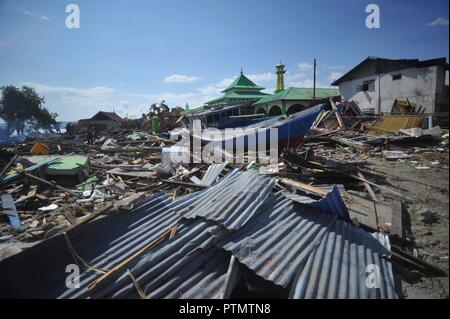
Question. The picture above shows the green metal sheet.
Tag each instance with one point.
(64, 162)
(299, 94)
(242, 82)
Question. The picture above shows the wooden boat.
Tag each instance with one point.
(289, 130)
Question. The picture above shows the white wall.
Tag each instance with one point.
(417, 84)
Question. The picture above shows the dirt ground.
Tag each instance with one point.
(427, 206)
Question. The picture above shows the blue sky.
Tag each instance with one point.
(129, 54)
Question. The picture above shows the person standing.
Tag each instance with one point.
(90, 135)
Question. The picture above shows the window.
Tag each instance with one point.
(396, 77)
(367, 86)
(209, 119)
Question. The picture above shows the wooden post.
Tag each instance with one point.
(314, 84)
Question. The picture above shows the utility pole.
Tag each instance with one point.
(314, 85)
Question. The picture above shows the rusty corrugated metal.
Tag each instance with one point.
(390, 124)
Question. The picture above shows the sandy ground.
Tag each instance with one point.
(428, 210)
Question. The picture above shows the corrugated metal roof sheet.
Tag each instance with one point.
(390, 124)
(293, 93)
(332, 203)
(279, 239)
(284, 238)
(234, 200)
(339, 268)
(187, 266)
(212, 173)
(244, 193)
(156, 218)
(288, 238)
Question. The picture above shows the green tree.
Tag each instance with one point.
(22, 107)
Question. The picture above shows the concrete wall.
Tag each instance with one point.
(420, 85)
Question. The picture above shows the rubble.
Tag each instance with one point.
(171, 225)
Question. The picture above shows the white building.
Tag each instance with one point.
(375, 83)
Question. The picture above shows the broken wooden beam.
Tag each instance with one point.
(11, 161)
(378, 186)
(302, 186)
(41, 180)
(347, 142)
(186, 184)
(415, 263)
(368, 188)
(338, 115)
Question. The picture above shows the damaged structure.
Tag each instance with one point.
(101, 120)
(375, 84)
(352, 205)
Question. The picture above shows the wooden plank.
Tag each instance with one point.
(52, 184)
(32, 192)
(11, 161)
(103, 210)
(378, 186)
(412, 262)
(397, 218)
(363, 210)
(141, 174)
(368, 188)
(303, 187)
(72, 219)
(169, 181)
(338, 115)
(347, 142)
(384, 215)
(170, 233)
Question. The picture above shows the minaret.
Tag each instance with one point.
(280, 77)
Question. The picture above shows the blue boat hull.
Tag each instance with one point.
(290, 132)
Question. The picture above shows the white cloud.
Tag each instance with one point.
(306, 83)
(305, 66)
(263, 77)
(89, 92)
(332, 67)
(215, 88)
(334, 76)
(269, 90)
(28, 13)
(31, 14)
(178, 78)
(74, 103)
(210, 89)
(291, 77)
(438, 21)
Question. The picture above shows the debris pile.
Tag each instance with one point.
(139, 226)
